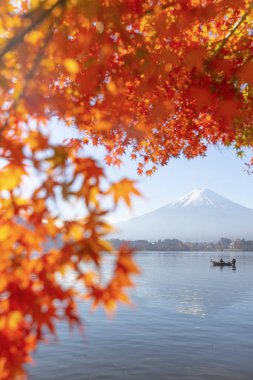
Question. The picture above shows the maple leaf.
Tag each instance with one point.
(123, 190)
(10, 177)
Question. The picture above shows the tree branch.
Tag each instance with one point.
(17, 39)
(232, 31)
(34, 67)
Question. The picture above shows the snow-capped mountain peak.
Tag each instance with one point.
(202, 197)
(201, 215)
(197, 197)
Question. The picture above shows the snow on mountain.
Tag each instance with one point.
(196, 197)
(201, 215)
(204, 197)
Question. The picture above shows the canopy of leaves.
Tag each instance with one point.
(161, 78)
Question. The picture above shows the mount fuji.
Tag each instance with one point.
(199, 216)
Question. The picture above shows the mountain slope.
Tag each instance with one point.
(201, 215)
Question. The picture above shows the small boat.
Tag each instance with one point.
(223, 264)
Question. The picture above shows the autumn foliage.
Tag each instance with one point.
(160, 79)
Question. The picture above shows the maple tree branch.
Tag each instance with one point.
(32, 71)
(27, 78)
(17, 39)
(232, 31)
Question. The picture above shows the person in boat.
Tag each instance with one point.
(233, 261)
(221, 261)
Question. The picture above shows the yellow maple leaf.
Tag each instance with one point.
(4, 232)
(10, 177)
(71, 65)
(14, 319)
(123, 190)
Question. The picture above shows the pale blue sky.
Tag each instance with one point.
(221, 171)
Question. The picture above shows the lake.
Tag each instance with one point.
(189, 321)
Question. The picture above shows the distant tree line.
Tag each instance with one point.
(172, 245)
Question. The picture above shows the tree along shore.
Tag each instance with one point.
(172, 245)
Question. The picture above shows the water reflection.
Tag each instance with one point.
(183, 309)
(194, 286)
(233, 267)
(190, 303)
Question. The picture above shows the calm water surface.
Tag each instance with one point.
(190, 321)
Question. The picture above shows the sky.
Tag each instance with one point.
(221, 171)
